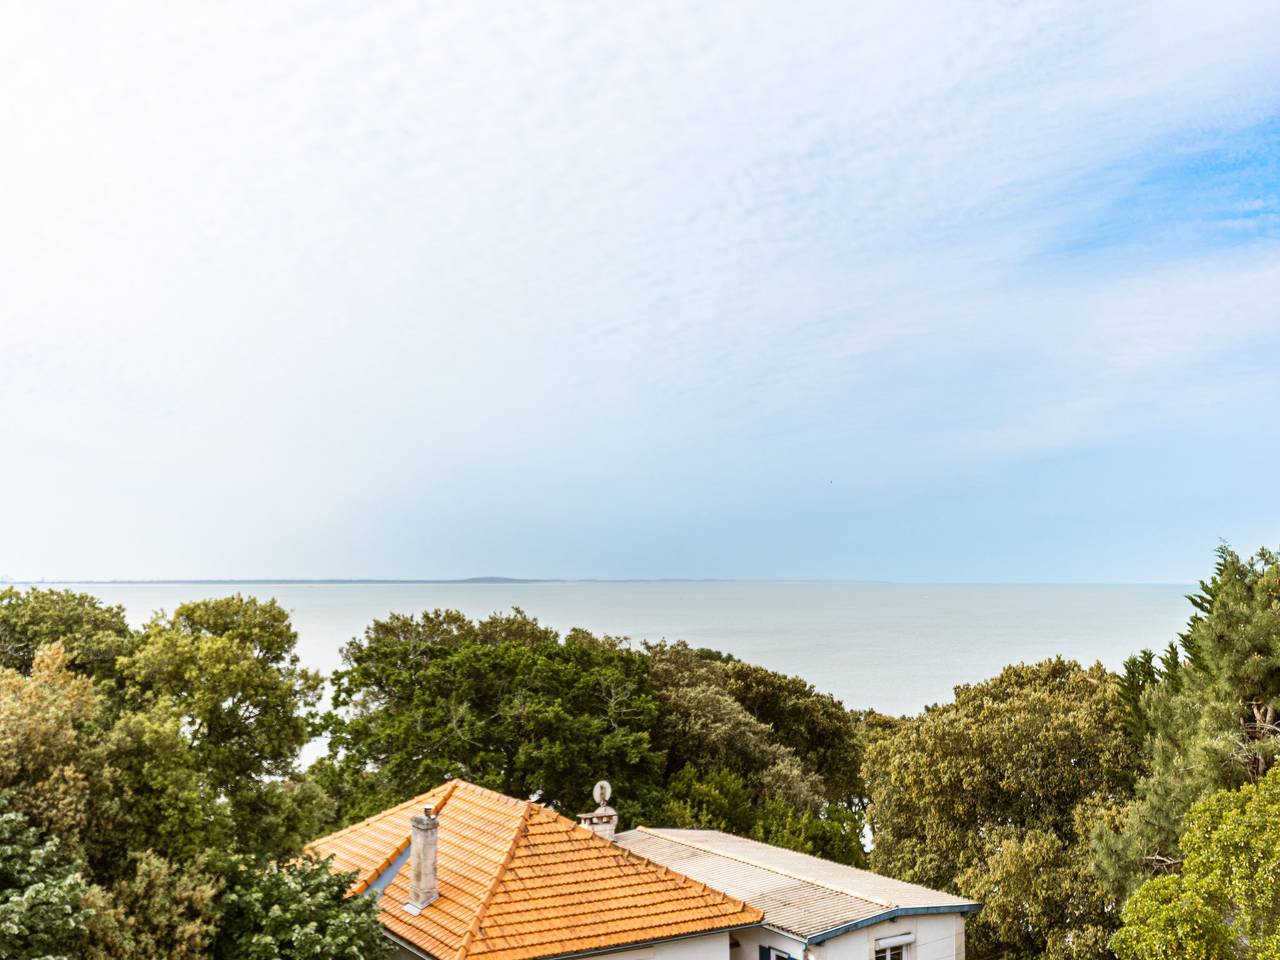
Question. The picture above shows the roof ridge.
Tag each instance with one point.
(469, 937)
(889, 904)
(450, 788)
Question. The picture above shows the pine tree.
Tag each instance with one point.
(1211, 720)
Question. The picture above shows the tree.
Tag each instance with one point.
(756, 753)
(1225, 902)
(42, 892)
(186, 739)
(298, 911)
(722, 800)
(43, 757)
(993, 797)
(503, 702)
(230, 669)
(93, 635)
(815, 726)
(704, 727)
(205, 743)
(1209, 719)
(158, 910)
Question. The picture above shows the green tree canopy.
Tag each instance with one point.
(298, 911)
(45, 755)
(1225, 902)
(703, 726)
(756, 753)
(229, 668)
(42, 892)
(207, 734)
(992, 797)
(814, 726)
(157, 909)
(93, 634)
(502, 702)
(186, 745)
(1206, 713)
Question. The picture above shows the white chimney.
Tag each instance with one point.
(422, 860)
(604, 819)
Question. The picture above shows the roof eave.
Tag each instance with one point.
(965, 908)
(616, 948)
(405, 944)
(632, 945)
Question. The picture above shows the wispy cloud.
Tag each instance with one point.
(297, 288)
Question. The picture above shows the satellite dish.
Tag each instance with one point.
(602, 792)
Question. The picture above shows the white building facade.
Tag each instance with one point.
(813, 909)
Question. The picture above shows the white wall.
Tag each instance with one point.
(939, 936)
(752, 939)
(712, 946)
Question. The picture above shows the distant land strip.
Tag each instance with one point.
(374, 580)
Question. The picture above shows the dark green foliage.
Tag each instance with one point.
(1211, 720)
(834, 833)
(715, 800)
(814, 726)
(756, 753)
(501, 702)
(721, 800)
(703, 726)
(508, 704)
(1139, 674)
(298, 911)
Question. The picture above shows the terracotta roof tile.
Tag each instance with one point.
(520, 882)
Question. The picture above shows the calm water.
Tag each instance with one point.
(891, 647)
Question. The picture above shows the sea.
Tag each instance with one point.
(895, 648)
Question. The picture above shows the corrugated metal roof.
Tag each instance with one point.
(799, 894)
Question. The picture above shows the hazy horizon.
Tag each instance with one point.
(490, 580)
(895, 647)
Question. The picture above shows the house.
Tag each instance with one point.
(464, 873)
(813, 908)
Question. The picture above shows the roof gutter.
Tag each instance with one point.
(406, 945)
(894, 914)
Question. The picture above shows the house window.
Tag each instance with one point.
(892, 953)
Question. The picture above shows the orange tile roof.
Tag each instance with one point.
(519, 881)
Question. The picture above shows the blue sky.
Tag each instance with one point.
(945, 291)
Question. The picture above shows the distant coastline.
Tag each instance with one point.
(370, 580)
(499, 581)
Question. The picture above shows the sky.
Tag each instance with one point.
(944, 291)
